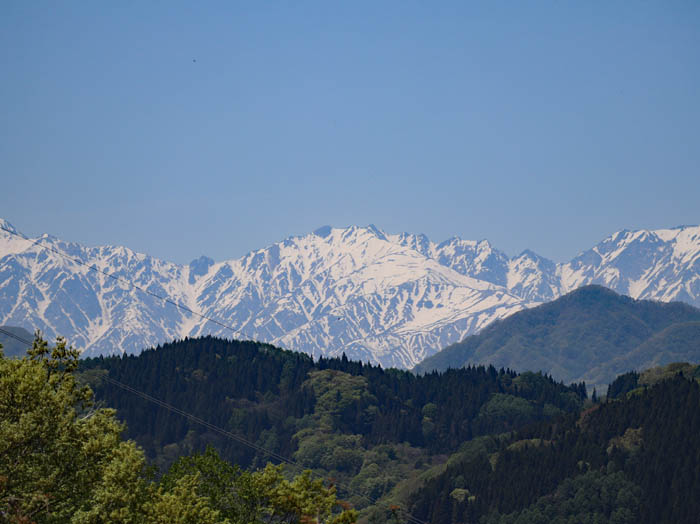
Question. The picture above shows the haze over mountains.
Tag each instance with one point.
(389, 299)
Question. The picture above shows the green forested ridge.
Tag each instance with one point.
(365, 426)
(62, 460)
(591, 334)
(469, 445)
(633, 382)
(625, 461)
(679, 342)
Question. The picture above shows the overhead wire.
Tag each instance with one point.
(189, 416)
(232, 436)
(16, 337)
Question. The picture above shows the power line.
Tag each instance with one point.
(201, 421)
(246, 442)
(16, 337)
(174, 409)
(229, 434)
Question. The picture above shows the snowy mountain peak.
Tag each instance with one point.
(378, 232)
(7, 227)
(662, 264)
(417, 242)
(360, 233)
(527, 254)
(392, 299)
(456, 242)
(11, 239)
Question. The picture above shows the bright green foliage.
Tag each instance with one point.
(339, 395)
(54, 450)
(331, 451)
(121, 491)
(62, 460)
(182, 505)
(343, 400)
(228, 490)
(301, 500)
(264, 496)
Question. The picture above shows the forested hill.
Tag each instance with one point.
(476, 444)
(592, 334)
(631, 460)
(356, 422)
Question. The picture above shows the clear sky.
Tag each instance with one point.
(181, 129)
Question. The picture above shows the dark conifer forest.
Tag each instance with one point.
(476, 444)
(267, 395)
(631, 460)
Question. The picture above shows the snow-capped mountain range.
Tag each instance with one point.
(389, 299)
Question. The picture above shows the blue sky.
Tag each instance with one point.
(181, 129)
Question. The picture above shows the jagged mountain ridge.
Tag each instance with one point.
(389, 299)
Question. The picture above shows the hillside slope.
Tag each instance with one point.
(590, 335)
(631, 461)
(365, 426)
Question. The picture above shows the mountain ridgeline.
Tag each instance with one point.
(392, 299)
(591, 334)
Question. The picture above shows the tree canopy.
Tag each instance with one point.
(62, 459)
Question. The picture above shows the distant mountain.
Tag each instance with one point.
(11, 346)
(389, 299)
(659, 265)
(679, 342)
(591, 334)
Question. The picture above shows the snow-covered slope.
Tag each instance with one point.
(663, 264)
(391, 299)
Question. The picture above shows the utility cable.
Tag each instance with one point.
(228, 434)
(16, 337)
(174, 409)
